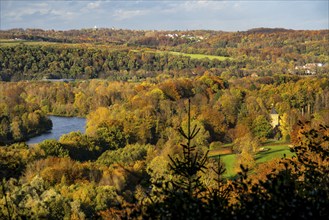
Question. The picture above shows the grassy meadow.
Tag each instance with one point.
(272, 150)
(193, 56)
(200, 56)
(12, 43)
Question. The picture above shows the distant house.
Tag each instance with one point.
(275, 118)
(308, 69)
(58, 80)
(254, 75)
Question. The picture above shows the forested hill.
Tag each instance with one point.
(106, 35)
(179, 124)
(140, 37)
(124, 54)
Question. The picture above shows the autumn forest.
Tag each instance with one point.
(179, 124)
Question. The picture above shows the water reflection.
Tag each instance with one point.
(61, 125)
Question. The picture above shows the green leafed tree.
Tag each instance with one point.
(111, 135)
(54, 148)
(261, 127)
(182, 195)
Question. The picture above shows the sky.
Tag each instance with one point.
(164, 15)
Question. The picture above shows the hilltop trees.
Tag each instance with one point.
(120, 54)
(81, 62)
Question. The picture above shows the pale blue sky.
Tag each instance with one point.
(165, 15)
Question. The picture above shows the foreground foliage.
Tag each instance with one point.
(124, 184)
(297, 188)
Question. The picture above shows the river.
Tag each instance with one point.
(61, 125)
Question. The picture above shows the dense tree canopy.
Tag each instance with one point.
(155, 103)
(120, 54)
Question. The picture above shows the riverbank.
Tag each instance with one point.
(61, 125)
(25, 139)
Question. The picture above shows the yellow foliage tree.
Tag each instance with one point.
(95, 118)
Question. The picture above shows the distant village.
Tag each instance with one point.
(196, 38)
(309, 68)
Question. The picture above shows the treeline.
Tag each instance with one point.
(106, 35)
(203, 41)
(19, 118)
(146, 112)
(226, 111)
(25, 62)
(301, 46)
(143, 54)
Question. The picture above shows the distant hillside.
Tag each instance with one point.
(119, 53)
(268, 30)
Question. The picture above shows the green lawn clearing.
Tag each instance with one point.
(200, 56)
(270, 150)
(193, 56)
(275, 151)
(11, 43)
(229, 161)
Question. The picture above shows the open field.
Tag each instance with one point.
(275, 151)
(12, 43)
(193, 56)
(7, 42)
(200, 56)
(272, 150)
